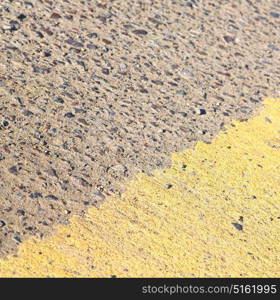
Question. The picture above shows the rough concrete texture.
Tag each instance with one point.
(93, 92)
(214, 213)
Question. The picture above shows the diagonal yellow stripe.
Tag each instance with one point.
(215, 212)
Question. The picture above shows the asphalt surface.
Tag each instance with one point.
(214, 213)
(93, 93)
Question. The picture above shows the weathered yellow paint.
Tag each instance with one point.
(185, 230)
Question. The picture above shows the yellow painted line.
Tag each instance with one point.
(179, 221)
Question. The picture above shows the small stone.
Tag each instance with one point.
(122, 67)
(47, 54)
(13, 48)
(275, 15)
(254, 100)
(68, 17)
(80, 110)
(51, 197)
(5, 123)
(273, 47)
(81, 63)
(184, 114)
(99, 196)
(91, 46)
(41, 70)
(107, 42)
(6, 27)
(105, 49)
(51, 172)
(55, 16)
(59, 100)
(17, 239)
(110, 112)
(15, 25)
(83, 182)
(229, 39)
(27, 113)
(105, 71)
(20, 100)
(119, 168)
(69, 115)
(78, 132)
(201, 111)
(2, 223)
(21, 17)
(35, 195)
(20, 212)
(21, 196)
(267, 120)
(181, 92)
(13, 170)
(245, 109)
(83, 121)
(144, 91)
(30, 228)
(92, 35)
(186, 74)
(28, 3)
(74, 43)
(157, 82)
(238, 226)
(39, 34)
(168, 186)
(140, 32)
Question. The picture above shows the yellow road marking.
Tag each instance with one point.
(179, 222)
